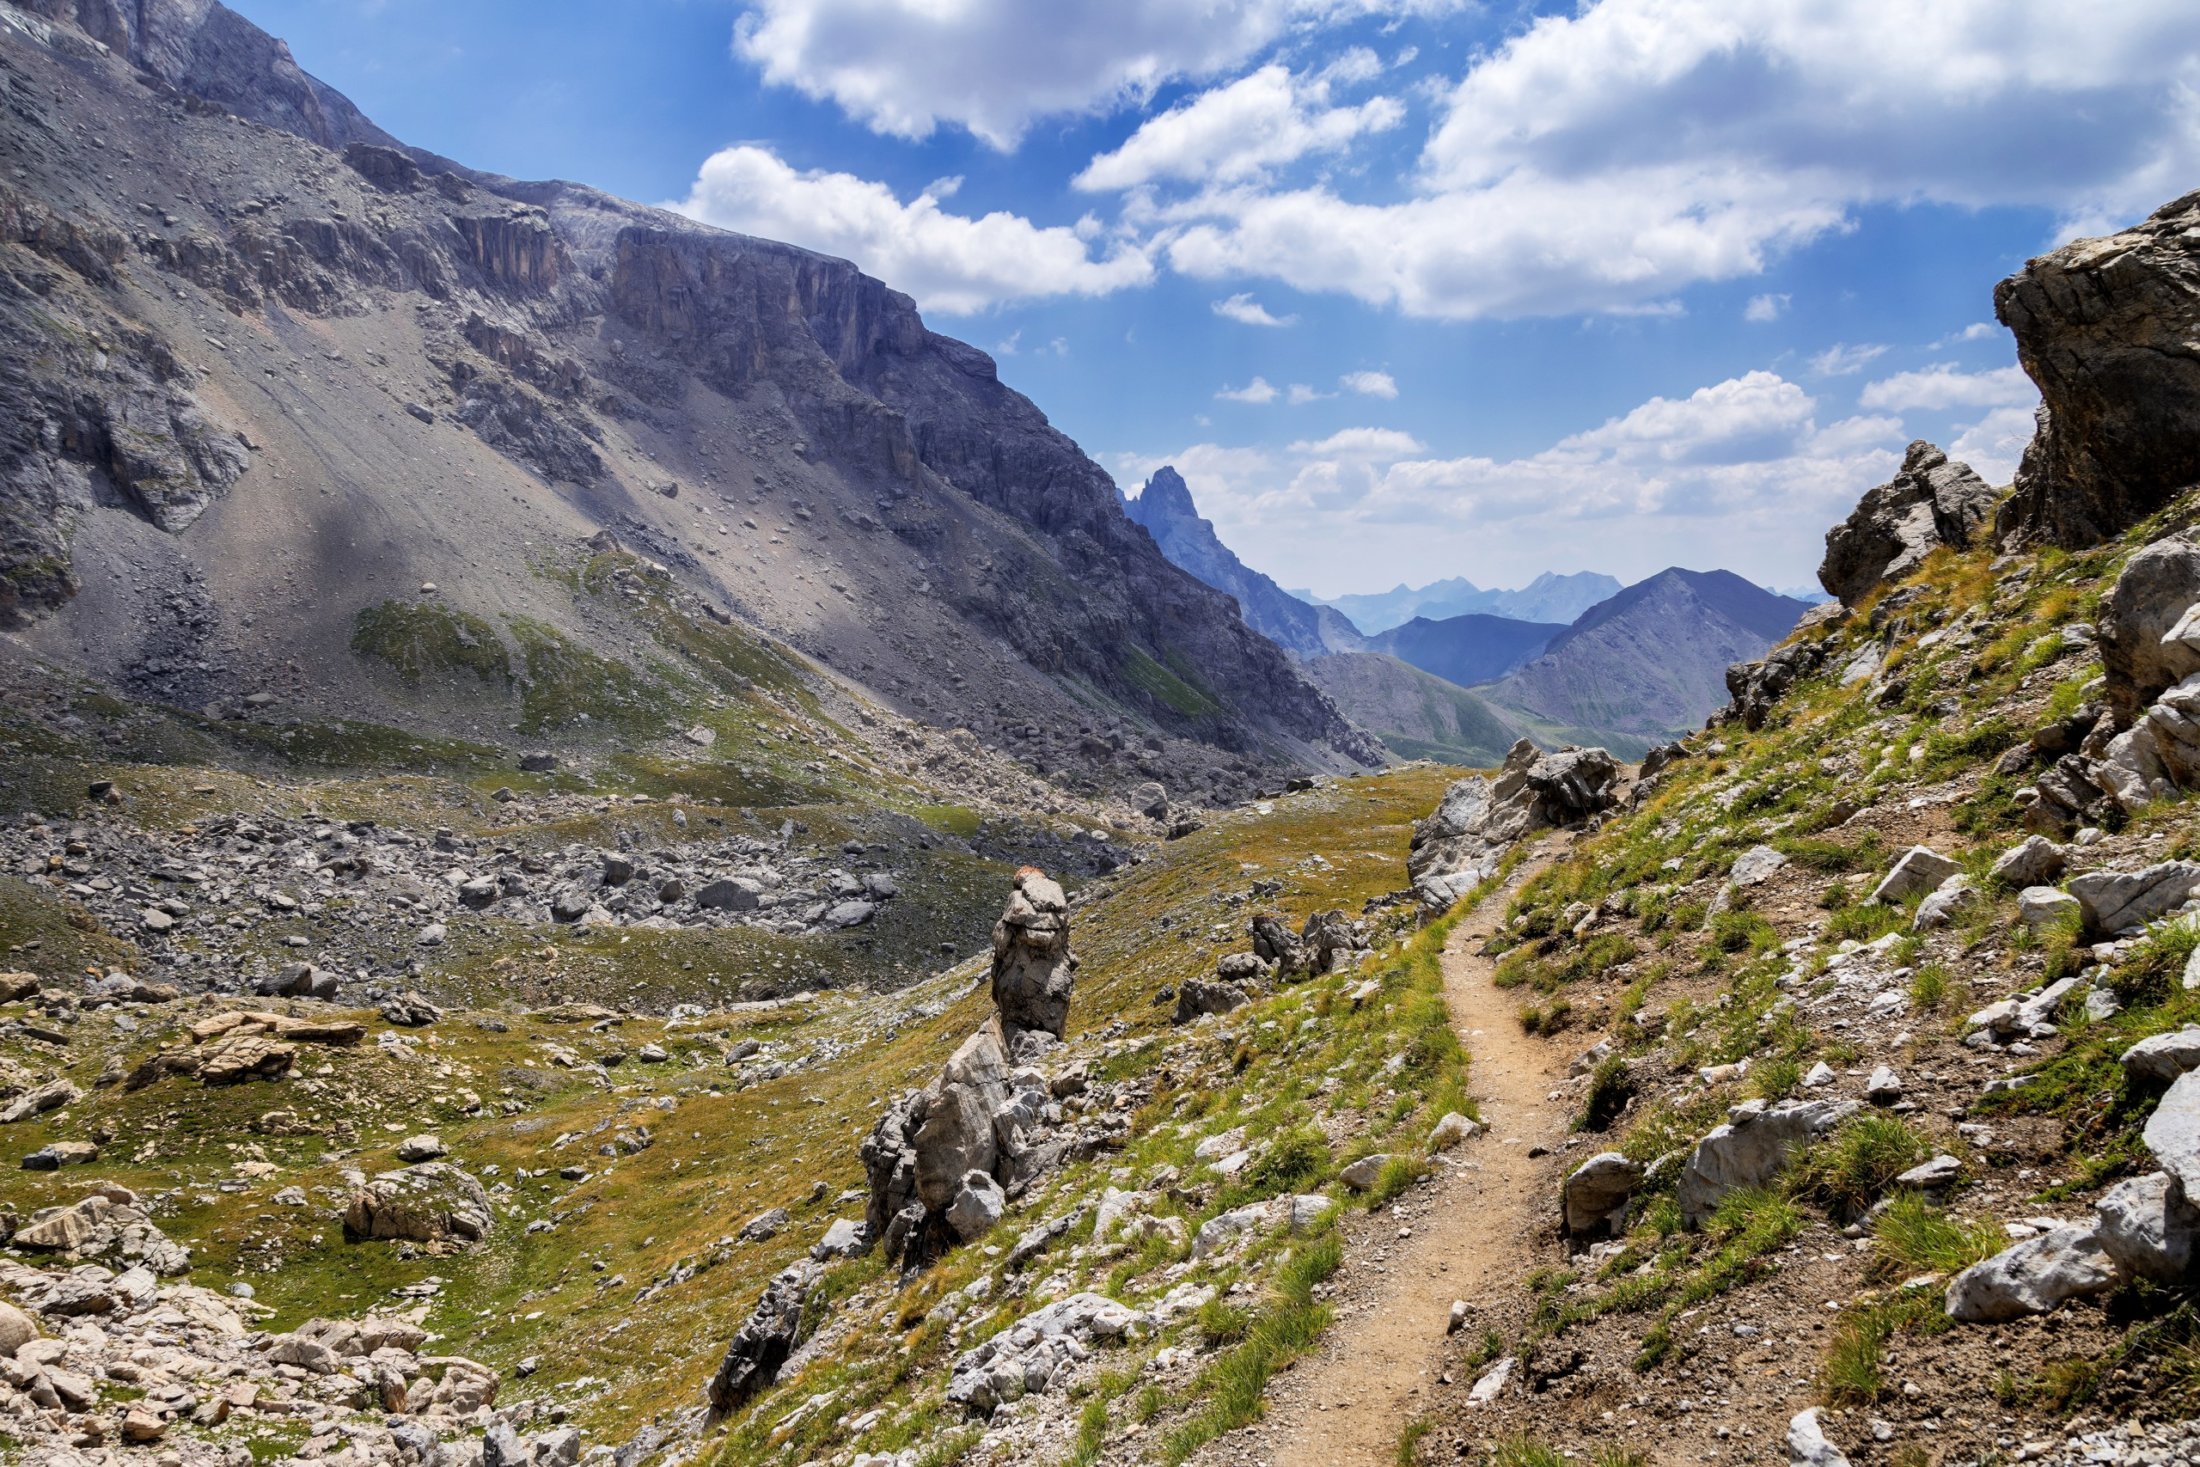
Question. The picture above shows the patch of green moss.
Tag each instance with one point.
(421, 639)
(344, 743)
(566, 684)
(1174, 684)
(956, 820)
(47, 933)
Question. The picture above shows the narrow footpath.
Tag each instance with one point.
(1466, 1236)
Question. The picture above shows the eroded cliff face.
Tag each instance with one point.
(2107, 328)
(207, 50)
(240, 317)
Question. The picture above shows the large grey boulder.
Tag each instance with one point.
(1226, 1230)
(1947, 901)
(956, 1136)
(2036, 1276)
(2164, 1057)
(2044, 906)
(1920, 870)
(434, 1203)
(2104, 327)
(2160, 754)
(2173, 1131)
(2118, 901)
(1462, 842)
(1755, 866)
(2035, 861)
(942, 1161)
(1750, 1149)
(52, 1095)
(731, 894)
(765, 1339)
(1596, 1193)
(16, 1330)
(1273, 943)
(1330, 941)
(1033, 970)
(1195, 999)
(2029, 1015)
(2140, 660)
(889, 1156)
(1757, 687)
(1931, 501)
(977, 1207)
(2147, 1227)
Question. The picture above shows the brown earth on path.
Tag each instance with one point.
(1470, 1233)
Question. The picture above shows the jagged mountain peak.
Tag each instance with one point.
(1165, 495)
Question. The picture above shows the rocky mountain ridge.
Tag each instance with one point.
(441, 374)
(1550, 597)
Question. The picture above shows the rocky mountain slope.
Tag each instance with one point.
(1650, 662)
(784, 1079)
(269, 374)
(1416, 714)
(1401, 686)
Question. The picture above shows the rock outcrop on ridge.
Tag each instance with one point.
(2105, 327)
(1462, 843)
(942, 1161)
(1165, 508)
(1933, 501)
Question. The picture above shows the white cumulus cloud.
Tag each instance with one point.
(949, 262)
(1768, 307)
(1632, 494)
(1361, 443)
(1370, 384)
(1994, 443)
(1246, 311)
(1615, 153)
(1844, 360)
(1937, 389)
(1260, 389)
(1260, 121)
(994, 67)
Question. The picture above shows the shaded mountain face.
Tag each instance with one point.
(1164, 506)
(1549, 597)
(1467, 649)
(1416, 714)
(267, 373)
(1650, 663)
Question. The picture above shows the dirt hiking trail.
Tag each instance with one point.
(1469, 1236)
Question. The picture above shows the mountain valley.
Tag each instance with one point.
(612, 852)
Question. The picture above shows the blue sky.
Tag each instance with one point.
(1406, 288)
